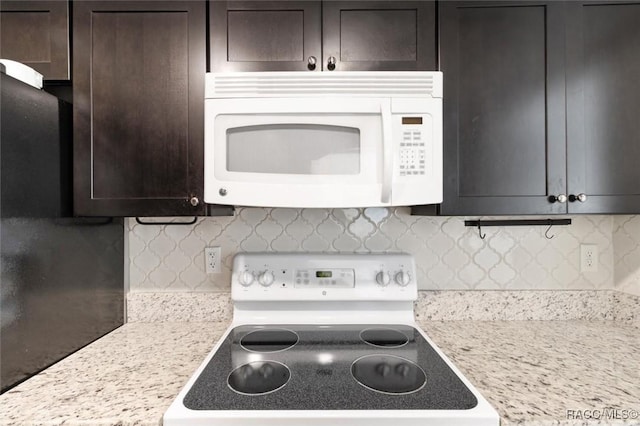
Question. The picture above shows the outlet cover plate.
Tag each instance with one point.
(212, 259)
(588, 258)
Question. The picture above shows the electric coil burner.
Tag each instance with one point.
(321, 339)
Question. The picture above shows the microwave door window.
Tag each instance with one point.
(302, 149)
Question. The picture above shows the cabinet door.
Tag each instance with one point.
(379, 35)
(504, 107)
(36, 33)
(603, 106)
(138, 107)
(265, 35)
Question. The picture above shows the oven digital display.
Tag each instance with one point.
(411, 120)
(323, 274)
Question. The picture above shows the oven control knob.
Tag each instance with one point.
(266, 279)
(403, 278)
(246, 278)
(383, 278)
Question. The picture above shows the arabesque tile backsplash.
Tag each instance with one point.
(449, 256)
(626, 241)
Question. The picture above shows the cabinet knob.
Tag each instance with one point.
(311, 63)
(561, 198)
(331, 63)
(194, 201)
(580, 197)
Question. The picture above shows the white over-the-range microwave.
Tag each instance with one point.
(329, 139)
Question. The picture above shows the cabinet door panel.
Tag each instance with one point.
(247, 41)
(36, 33)
(264, 35)
(503, 107)
(135, 116)
(603, 49)
(379, 35)
(138, 107)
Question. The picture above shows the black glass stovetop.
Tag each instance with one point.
(327, 367)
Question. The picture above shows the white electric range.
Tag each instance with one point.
(324, 339)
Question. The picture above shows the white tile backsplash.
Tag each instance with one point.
(626, 239)
(449, 255)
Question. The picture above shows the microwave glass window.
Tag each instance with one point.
(305, 149)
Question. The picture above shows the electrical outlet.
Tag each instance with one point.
(212, 259)
(588, 258)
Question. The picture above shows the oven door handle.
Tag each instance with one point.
(387, 152)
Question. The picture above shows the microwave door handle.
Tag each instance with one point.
(387, 152)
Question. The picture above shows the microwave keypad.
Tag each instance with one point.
(412, 153)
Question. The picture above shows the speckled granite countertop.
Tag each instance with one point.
(532, 372)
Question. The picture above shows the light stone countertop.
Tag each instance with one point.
(532, 372)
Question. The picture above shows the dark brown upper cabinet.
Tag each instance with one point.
(265, 35)
(603, 106)
(504, 107)
(322, 35)
(138, 96)
(36, 33)
(379, 35)
(541, 107)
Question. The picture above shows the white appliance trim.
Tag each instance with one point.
(22, 72)
(427, 84)
(256, 307)
(243, 100)
(481, 415)
(313, 313)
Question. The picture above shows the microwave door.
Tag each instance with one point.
(298, 152)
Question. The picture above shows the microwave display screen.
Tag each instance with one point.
(304, 149)
(323, 274)
(411, 120)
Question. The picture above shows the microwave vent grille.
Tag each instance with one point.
(303, 84)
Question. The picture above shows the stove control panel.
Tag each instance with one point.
(322, 276)
(333, 278)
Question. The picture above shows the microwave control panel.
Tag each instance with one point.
(414, 142)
